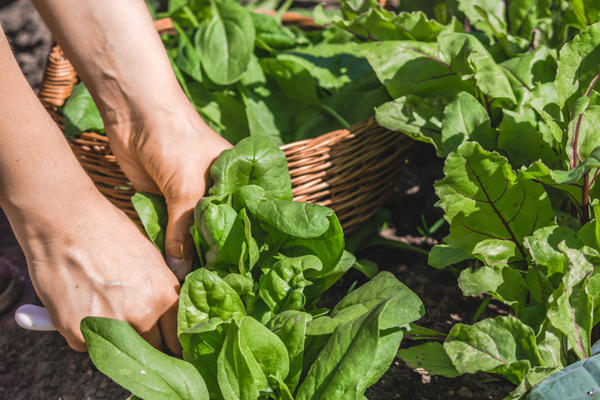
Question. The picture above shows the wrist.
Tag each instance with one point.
(49, 210)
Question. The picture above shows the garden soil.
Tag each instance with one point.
(40, 365)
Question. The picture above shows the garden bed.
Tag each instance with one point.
(40, 365)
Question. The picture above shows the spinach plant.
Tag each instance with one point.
(248, 319)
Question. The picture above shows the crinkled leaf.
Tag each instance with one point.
(578, 64)
(466, 119)
(570, 306)
(410, 67)
(503, 345)
(469, 58)
(522, 140)
(203, 296)
(416, 117)
(489, 207)
(282, 287)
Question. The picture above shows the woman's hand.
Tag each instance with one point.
(168, 152)
(85, 257)
(98, 263)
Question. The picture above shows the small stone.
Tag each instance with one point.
(464, 393)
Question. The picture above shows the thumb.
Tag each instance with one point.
(179, 245)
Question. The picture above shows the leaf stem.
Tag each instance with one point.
(481, 308)
(576, 156)
(335, 115)
(190, 14)
(585, 217)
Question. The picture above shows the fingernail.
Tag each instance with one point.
(180, 267)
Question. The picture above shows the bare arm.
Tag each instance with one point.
(159, 139)
(84, 256)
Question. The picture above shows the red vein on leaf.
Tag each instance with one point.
(579, 342)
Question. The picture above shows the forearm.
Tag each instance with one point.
(35, 160)
(116, 51)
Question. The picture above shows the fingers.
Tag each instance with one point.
(153, 337)
(168, 328)
(179, 245)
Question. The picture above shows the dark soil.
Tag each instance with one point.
(39, 365)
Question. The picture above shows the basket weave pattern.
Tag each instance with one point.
(350, 170)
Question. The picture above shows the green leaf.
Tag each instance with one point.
(152, 211)
(570, 307)
(382, 287)
(119, 352)
(577, 65)
(261, 119)
(238, 373)
(253, 161)
(416, 68)
(297, 219)
(225, 43)
(290, 326)
(485, 15)
(333, 65)
(543, 246)
(281, 288)
(532, 68)
(222, 232)
(489, 207)
(469, 58)
(503, 345)
(416, 117)
(322, 282)
(522, 140)
(204, 296)
(81, 113)
(186, 57)
(431, 357)
(588, 137)
(367, 267)
(266, 347)
(271, 33)
(466, 119)
(295, 80)
(441, 255)
(355, 356)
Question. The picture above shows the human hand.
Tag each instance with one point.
(168, 151)
(99, 264)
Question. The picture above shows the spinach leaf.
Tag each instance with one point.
(142, 369)
(254, 161)
(225, 42)
(81, 113)
(152, 210)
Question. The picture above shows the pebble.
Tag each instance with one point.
(464, 393)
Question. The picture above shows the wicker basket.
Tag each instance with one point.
(350, 170)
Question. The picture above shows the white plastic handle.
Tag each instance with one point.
(34, 318)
